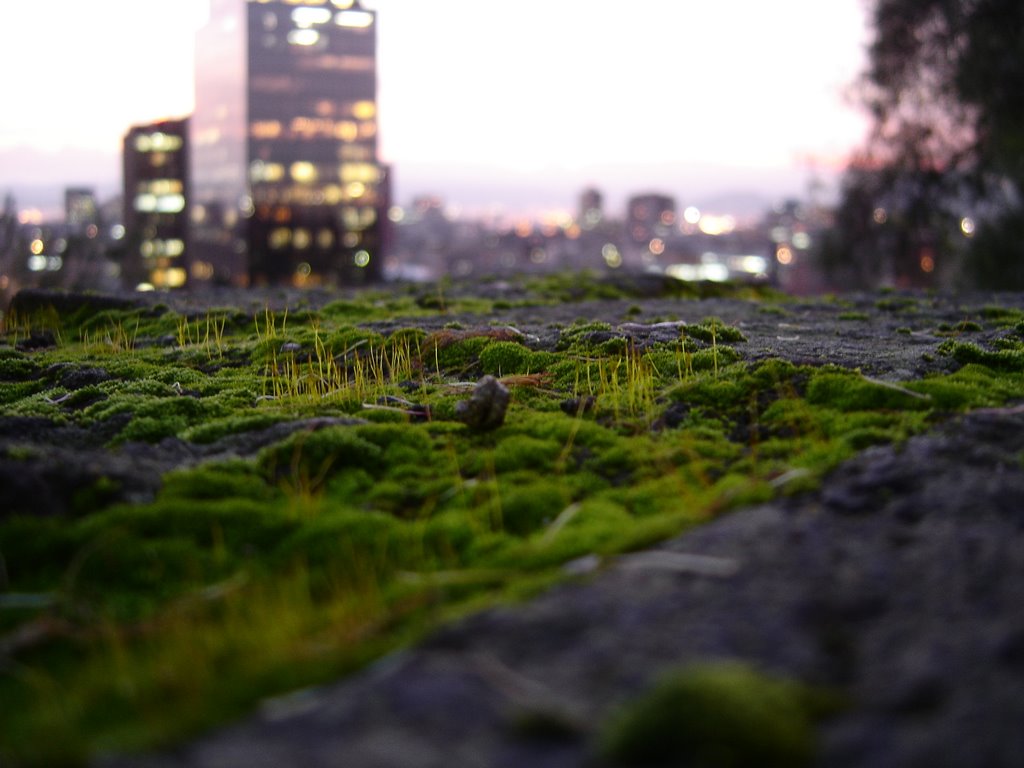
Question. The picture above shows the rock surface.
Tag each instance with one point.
(485, 409)
(899, 584)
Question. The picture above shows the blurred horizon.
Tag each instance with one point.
(496, 109)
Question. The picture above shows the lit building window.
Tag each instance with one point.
(145, 203)
(175, 277)
(304, 37)
(364, 110)
(303, 172)
(170, 203)
(279, 238)
(332, 194)
(324, 239)
(346, 130)
(367, 173)
(306, 16)
(354, 19)
(301, 238)
(265, 129)
(158, 142)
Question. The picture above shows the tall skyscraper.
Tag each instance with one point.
(285, 180)
(156, 213)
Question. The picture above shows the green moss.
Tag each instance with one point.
(305, 456)
(216, 429)
(854, 316)
(286, 568)
(15, 366)
(503, 358)
(712, 330)
(850, 392)
(966, 353)
(723, 715)
(897, 304)
(517, 452)
(527, 506)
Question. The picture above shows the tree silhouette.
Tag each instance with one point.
(936, 191)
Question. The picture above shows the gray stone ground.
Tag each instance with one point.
(900, 583)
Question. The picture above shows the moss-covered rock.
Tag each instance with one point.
(724, 715)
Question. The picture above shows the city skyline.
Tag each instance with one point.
(498, 107)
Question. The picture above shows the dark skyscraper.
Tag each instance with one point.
(155, 204)
(286, 185)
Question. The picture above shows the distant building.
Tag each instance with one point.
(156, 209)
(591, 208)
(286, 183)
(81, 209)
(649, 216)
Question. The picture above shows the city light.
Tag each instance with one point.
(717, 225)
(304, 37)
(612, 256)
(967, 226)
(357, 19)
(307, 16)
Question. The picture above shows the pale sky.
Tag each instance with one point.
(511, 104)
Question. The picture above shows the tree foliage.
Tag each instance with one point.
(936, 191)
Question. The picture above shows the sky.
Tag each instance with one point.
(505, 106)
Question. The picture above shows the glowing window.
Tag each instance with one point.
(306, 17)
(162, 187)
(158, 142)
(364, 110)
(279, 238)
(332, 194)
(354, 19)
(303, 172)
(175, 277)
(302, 238)
(304, 37)
(265, 129)
(342, 3)
(355, 189)
(145, 203)
(170, 204)
(364, 172)
(346, 130)
(324, 239)
(367, 129)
